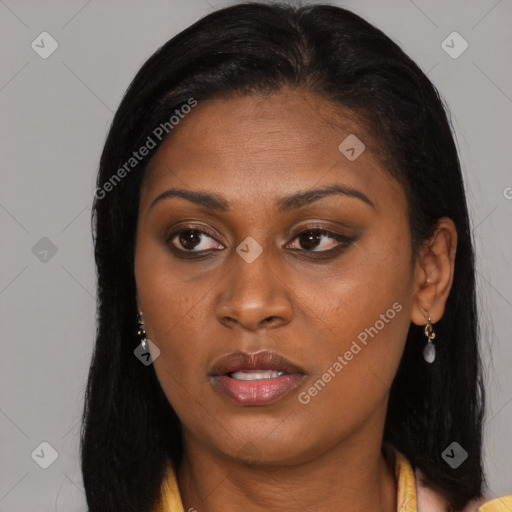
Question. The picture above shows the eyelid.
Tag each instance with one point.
(342, 239)
(190, 227)
(201, 231)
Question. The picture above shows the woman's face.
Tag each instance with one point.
(241, 278)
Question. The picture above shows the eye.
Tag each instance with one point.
(192, 240)
(317, 240)
(311, 240)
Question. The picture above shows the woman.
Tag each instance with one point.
(286, 279)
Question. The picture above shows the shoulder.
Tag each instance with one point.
(170, 499)
(503, 504)
(431, 501)
(420, 498)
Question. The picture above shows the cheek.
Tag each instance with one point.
(168, 295)
(352, 293)
(364, 306)
(176, 323)
(169, 305)
(177, 330)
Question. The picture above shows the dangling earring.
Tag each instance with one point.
(141, 332)
(429, 351)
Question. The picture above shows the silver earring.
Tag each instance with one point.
(429, 351)
(141, 332)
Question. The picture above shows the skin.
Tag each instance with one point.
(324, 455)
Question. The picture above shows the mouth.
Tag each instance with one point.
(255, 379)
(256, 374)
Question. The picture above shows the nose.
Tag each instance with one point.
(254, 296)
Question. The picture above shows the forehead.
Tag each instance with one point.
(261, 146)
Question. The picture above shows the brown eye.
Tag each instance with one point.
(192, 240)
(320, 240)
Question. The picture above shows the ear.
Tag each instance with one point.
(433, 273)
(139, 308)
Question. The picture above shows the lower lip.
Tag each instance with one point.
(257, 392)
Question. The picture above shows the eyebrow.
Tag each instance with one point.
(284, 204)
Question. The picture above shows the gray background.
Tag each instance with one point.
(55, 113)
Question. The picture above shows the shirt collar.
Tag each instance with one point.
(404, 473)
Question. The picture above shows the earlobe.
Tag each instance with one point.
(434, 271)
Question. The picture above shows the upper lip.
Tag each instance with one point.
(264, 360)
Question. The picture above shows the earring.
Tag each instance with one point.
(141, 332)
(429, 351)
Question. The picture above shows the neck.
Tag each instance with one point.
(353, 475)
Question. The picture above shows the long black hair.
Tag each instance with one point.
(129, 428)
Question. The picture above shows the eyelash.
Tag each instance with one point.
(343, 240)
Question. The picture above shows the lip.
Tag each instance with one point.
(263, 360)
(255, 392)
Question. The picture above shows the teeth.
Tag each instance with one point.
(256, 374)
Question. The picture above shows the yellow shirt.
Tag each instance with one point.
(410, 493)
